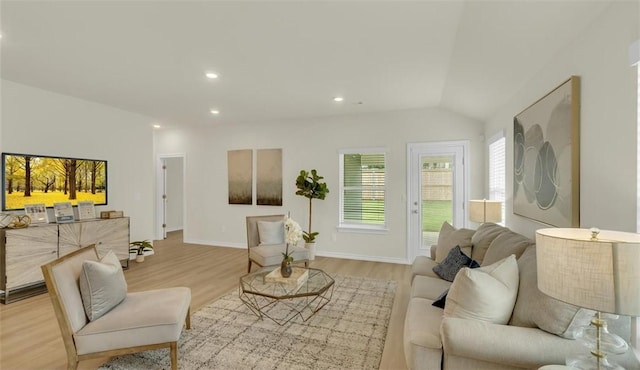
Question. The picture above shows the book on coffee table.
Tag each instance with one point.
(298, 276)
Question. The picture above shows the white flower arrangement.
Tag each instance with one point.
(292, 231)
(292, 235)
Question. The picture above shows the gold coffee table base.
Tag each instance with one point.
(282, 302)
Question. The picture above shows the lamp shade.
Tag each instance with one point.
(485, 210)
(601, 274)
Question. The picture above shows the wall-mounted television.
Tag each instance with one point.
(29, 179)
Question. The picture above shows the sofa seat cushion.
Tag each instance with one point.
(449, 238)
(423, 265)
(504, 245)
(487, 293)
(159, 314)
(428, 287)
(271, 255)
(483, 237)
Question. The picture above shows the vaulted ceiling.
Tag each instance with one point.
(285, 60)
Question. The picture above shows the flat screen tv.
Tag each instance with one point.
(29, 179)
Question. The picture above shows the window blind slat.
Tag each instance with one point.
(497, 172)
(363, 190)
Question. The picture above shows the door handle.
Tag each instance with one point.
(415, 211)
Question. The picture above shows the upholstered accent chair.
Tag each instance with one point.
(267, 250)
(141, 321)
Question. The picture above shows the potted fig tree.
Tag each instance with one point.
(310, 186)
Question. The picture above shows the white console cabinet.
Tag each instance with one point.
(23, 251)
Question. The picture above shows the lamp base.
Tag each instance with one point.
(590, 362)
(597, 338)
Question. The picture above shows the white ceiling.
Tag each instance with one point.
(285, 60)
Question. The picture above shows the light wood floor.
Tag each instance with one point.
(30, 337)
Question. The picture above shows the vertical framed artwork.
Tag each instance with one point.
(546, 158)
(269, 177)
(240, 176)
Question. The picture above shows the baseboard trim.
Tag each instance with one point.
(360, 257)
(215, 244)
(349, 256)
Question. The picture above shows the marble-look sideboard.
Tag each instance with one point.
(23, 251)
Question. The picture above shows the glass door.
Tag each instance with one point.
(437, 191)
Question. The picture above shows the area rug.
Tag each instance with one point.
(348, 333)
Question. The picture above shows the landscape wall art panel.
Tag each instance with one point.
(546, 184)
(269, 177)
(240, 176)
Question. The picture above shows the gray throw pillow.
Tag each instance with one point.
(102, 285)
(271, 232)
(454, 261)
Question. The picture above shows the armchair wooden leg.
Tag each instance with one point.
(174, 355)
(188, 320)
(249, 267)
(306, 264)
(72, 361)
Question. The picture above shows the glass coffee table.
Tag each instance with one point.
(281, 300)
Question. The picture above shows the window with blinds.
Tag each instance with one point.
(497, 171)
(362, 189)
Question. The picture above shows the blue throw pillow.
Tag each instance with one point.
(454, 261)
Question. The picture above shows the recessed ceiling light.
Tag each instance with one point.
(338, 99)
(215, 111)
(211, 75)
(156, 126)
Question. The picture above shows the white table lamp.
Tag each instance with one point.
(485, 210)
(594, 269)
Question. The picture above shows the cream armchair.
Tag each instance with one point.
(142, 321)
(269, 254)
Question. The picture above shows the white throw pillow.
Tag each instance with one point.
(487, 293)
(102, 285)
(271, 232)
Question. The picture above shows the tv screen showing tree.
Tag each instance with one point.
(31, 179)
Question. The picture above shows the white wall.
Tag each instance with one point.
(608, 127)
(36, 121)
(307, 145)
(175, 193)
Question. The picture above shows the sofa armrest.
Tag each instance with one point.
(504, 344)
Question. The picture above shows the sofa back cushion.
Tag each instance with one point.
(537, 310)
(449, 238)
(506, 244)
(487, 293)
(483, 237)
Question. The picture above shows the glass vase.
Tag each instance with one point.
(285, 268)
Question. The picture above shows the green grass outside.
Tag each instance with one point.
(434, 213)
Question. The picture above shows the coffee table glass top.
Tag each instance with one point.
(285, 299)
(316, 283)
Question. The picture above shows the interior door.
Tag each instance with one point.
(437, 192)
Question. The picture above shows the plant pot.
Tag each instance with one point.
(311, 247)
(285, 269)
(140, 258)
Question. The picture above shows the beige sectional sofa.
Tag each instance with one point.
(537, 331)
